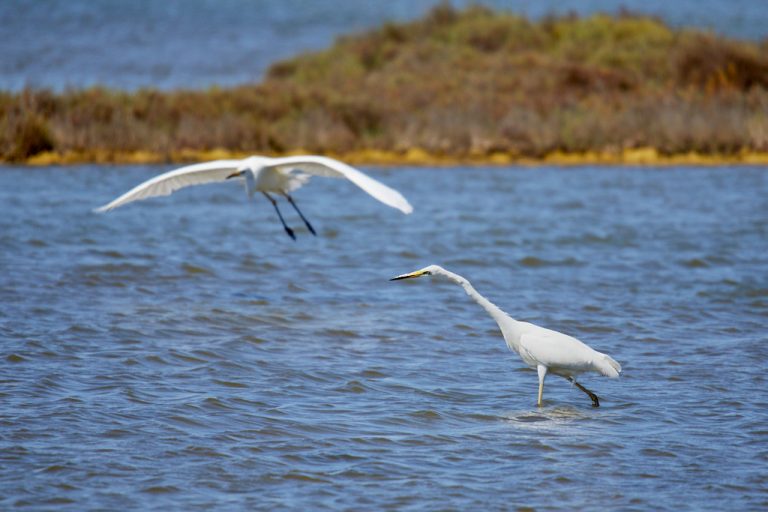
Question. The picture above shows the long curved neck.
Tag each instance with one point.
(487, 305)
(510, 328)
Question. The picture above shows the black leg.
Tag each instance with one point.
(309, 226)
(274, 203)
(595, 400)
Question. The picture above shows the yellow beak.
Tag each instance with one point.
(418, 273)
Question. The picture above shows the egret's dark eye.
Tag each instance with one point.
(427, 273)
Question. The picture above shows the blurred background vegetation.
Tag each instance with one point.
(465, 84)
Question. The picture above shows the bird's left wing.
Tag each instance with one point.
(555, 349)
(328, 167)
(169, 182)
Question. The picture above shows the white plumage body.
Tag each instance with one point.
(545, 350)
(563, 355)
(262, 174)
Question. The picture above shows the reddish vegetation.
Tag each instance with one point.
(456, 84)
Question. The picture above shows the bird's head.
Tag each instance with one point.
(239, 173)
(426, 271)
(252, 164)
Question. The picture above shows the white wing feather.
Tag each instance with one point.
(563, 354)
(330, 168)
(171, 181)
(556, 350)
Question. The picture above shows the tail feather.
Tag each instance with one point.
(297, 179)
(608, 366)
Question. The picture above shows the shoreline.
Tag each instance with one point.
(413, 157)
(456, 87)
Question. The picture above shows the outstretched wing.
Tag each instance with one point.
(328, 167)
(167, 183)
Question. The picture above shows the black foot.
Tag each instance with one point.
(592, 396)
(311, 229)
(290, 232)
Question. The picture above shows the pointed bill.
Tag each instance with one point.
(418, 273)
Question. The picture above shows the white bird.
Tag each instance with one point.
(546, 350)
(266, 175)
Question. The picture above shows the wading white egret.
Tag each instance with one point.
(266, 175)
(546, 350)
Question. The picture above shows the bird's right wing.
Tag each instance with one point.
(332, 168)
(167, 183)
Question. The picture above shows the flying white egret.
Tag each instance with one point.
(546, 350)
(266, 175)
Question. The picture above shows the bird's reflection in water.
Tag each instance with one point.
(547, 418)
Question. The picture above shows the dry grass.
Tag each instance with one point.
(455, 84)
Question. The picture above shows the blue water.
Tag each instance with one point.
(202, 43)
(183, 353)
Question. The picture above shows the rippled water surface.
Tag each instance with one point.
(184, 353)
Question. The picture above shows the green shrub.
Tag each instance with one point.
(456, 83)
